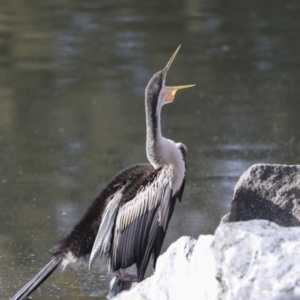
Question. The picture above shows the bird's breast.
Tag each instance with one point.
(178, 175)
(175, 159)
(166, 152)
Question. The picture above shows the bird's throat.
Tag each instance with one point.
(154, 142)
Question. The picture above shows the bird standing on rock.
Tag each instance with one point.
(128, 220)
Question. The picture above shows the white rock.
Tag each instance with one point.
(244, 260)
(177, 273)
(257, 260)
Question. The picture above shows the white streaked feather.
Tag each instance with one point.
(103, 238)
(147, 199)
(69, 258)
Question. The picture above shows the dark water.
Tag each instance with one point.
(72, 80)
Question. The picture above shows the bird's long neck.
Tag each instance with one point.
(154, 143)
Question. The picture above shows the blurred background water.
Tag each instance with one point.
(72, 80)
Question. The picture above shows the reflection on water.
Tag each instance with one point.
(72, 80)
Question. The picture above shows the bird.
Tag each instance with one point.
(127, 222)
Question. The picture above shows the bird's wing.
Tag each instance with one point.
(81, 239)
(103, 239)
(131, 224)
(139, 221)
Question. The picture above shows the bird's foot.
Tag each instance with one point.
(125, 277)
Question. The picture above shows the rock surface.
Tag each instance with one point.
(257, 260)
(269, 192)
(251, 260)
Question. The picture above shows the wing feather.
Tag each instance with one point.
(121, 188)
(103, 238)
(138, 221)
(129, 229)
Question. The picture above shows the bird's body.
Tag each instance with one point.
(128, 220)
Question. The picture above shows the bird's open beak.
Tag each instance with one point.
(170, 91)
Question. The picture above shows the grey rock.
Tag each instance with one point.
(269, 192)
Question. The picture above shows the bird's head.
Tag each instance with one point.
(156, 89)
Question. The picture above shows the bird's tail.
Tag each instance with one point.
(37, 280)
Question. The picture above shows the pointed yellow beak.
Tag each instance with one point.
(170, 91)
